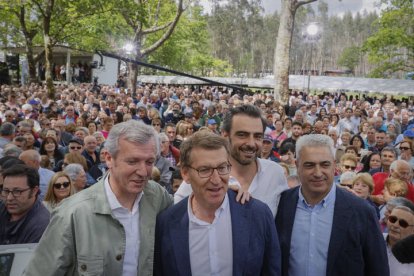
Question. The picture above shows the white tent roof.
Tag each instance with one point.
(300, 82)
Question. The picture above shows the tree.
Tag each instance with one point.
(23, 24)
(284, 40)
(350, 58)
(144, 19)
(391, 47)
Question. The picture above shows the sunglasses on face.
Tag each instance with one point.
(405, 148)
(73, 148)
(403, 223)
(59, 185)
(347, 167)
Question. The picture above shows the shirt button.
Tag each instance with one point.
(118, 257)
(83, 267)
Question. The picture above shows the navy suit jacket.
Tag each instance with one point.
(256, 248)
(356, 246)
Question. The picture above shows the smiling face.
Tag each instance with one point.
(316, 169)
(246, 138)
(208, 192)
(131, 168)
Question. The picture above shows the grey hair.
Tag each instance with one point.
(132, 131)
(84, 129)
(14, 151)
(27, 107)
(73, 170)
(314, 140)
(400, 201)
(395, 164)
(406, 208)
(347, 176)
(7, 129)
(163, 137)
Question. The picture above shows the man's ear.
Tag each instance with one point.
(108, 160)
(225, 134)
(185, 174)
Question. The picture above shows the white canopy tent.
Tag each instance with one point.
(321, 83)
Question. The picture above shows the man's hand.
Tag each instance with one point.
(242, 196)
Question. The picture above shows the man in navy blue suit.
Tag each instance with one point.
(324, 229)
(209, 233)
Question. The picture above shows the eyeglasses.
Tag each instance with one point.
(15, 193)
(59, 185)
(347, 167)
(207, 172)
(72, 148)
(156, 124)
(403, 223)
(405, 148)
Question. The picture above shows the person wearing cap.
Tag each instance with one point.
(267, 149)
(210, 114)
(212, 126)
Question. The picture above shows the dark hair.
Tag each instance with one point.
(285, 148)
(247, 109)
(367, 160)
(7, 129)
(23, 170)
(296, 123)
(360, 139)
(9, 161)
(56, 154)
(201, 139)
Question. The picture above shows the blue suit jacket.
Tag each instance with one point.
(356, 246)
(255, 243)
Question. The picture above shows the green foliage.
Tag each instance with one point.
(188, 48)
(350, 57)
(391, 48)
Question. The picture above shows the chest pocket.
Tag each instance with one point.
(90, 266)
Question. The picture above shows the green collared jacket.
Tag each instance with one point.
(84, 238)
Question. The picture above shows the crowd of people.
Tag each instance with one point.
(319, 186)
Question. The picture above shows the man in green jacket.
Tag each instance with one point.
(108, 229)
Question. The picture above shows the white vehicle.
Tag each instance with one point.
(14, 258)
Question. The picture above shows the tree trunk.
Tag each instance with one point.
(48, 65)
(281, 64)
(31, 61)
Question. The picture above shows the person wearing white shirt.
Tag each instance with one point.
(400, 225)
(243, 127)
(209, 233)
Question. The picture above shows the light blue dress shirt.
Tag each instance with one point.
(311, 235)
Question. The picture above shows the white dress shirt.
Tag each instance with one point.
(267, 185)
(211, 245)
(397, 268)
(130, 222)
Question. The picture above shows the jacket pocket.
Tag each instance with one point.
(90, 266)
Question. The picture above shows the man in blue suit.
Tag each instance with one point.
(209, 233)
(323, 229)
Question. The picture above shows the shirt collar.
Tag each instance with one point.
(113, 201)
(218, 212)
(325, 202)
